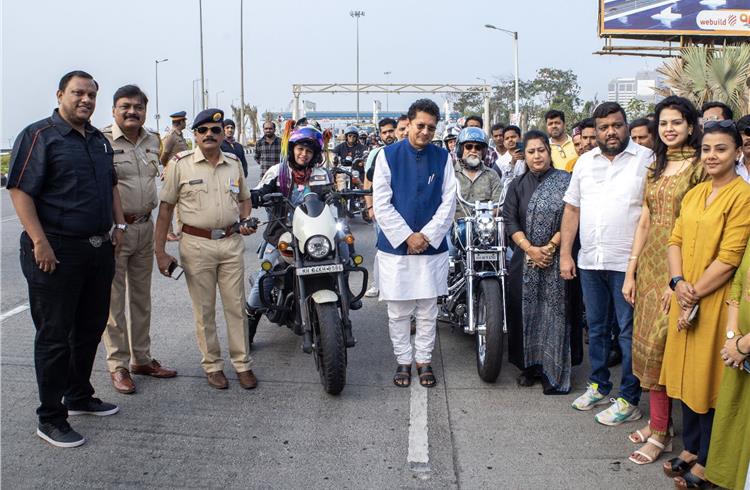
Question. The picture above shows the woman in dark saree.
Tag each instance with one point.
(543, 335)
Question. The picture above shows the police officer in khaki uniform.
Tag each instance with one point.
(174, 143)
(209, 189)
(136, 160)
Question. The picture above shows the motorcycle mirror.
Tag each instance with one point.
(274, 196)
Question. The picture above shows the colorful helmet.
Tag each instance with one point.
(466, 135)
(451, 133)
(351, 130)
(310, 136)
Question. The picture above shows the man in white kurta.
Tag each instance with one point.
(413, 262)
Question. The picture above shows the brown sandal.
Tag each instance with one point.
(402, 378)
(426, 376)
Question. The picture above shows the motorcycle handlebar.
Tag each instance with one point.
(463, 201)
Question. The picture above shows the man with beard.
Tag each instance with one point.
(387, 127)
(563, 149)
(268, 148)
(64, 188)
(605, 196)
(136, 159)
(230, 144)
(642, 132)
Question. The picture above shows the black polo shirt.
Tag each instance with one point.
(237, 149)
(70, 177)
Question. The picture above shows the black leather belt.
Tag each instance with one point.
(95, 240)
(134, 219)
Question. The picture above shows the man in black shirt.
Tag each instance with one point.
(351, 147)
(229, 145)
(63, 185)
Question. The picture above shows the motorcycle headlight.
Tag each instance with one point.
(318, 247)
(486, 227)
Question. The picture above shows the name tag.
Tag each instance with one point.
(234, 186)
(195, 181)
(117, 152)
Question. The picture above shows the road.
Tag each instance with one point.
(181, 433)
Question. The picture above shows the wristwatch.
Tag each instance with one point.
(122, 226)
(731, 334)
(673, 282)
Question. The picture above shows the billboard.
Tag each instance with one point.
(670, 18)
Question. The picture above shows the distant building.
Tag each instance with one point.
(623, 90)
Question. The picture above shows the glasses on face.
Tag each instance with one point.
(725, 123)
(473, 146)
(206, 129)
(422, 126)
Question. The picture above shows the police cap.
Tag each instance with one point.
(209, 115)
(178, 115)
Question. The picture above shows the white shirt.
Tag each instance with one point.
(609, 195)
(741, 169)
(408, 277)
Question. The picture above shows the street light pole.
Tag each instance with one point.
(357, 14)
(156, 70)
(242, 78)
(515, 51)
(217, 98)
(387, 79)
(194, 83)
(203, 79)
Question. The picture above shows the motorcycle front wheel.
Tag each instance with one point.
(489, 345)
(330, 348)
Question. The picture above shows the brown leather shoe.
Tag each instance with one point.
(247, 379)
(122, 381)
(154, 369)
(217, 380)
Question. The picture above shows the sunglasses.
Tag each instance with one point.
(473, 146)
(430, 127)
(726, 123)
(561, 150)
(206, 129)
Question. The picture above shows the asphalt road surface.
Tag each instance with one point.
(288, 433)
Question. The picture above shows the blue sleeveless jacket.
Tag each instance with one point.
(417, 183)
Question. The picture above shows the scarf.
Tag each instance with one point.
(680, 154)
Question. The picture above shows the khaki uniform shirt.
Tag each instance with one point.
(137, 166)
(174, 143)
(206, 196)
(486, 186)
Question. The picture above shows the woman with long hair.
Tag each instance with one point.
(675, 171)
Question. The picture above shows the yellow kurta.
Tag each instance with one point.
(692, 367)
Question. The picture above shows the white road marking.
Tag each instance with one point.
(419, 452)
(9, 218)
(14, 311)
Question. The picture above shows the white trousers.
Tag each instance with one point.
(399, 324)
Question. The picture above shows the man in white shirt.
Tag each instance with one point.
(510, 164)
(605, 196)
(414, 196)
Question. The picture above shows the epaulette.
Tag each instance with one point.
(231, 155)
(152, 131)
(179, 156)
(107, 129)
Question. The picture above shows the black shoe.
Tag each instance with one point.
(60, 435)
(253, 318)
(526, 379)
(355, 305)
(93, 406)
(614, 358)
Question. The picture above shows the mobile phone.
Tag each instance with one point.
(746, 366)
(175, 271)
(693, 313)
(520, 147)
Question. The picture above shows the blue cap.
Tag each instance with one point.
(209, 115)
(179, 115)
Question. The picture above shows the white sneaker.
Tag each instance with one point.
(620, 411)
(372, 292)
(591, 398)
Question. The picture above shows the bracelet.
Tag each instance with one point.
(737, 344)
(633, 257)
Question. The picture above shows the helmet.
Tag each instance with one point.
(451, 133)
(466, 135)
(351, 130)
(362, 133)
(310, 136)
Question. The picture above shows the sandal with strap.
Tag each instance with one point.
(646, 459)
(426, 376)
(402, 378)
(637, 437)
(677, 467)
(690, 480)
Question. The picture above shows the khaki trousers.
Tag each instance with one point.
(209, 263)
(129, 341)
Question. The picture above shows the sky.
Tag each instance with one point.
(286, 42)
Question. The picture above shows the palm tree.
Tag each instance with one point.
(704, 74)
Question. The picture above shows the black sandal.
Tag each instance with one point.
(426, 376)
(677, 467)
(402, 378)
(690, 480)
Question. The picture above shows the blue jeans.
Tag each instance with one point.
(600, 289)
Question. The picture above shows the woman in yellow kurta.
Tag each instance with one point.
(729, 456)
(705, 248)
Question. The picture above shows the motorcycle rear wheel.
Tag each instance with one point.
(489, 346)
(330, 348)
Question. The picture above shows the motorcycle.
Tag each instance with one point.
(350, 174)
(308, 289)
(476, 285)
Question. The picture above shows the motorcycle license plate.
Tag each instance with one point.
(485, 256)
(320, 269)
